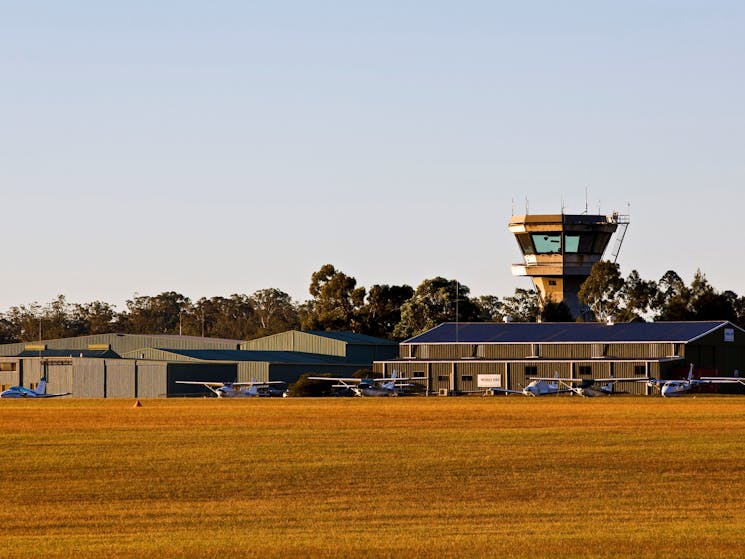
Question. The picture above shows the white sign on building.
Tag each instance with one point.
(490, 381)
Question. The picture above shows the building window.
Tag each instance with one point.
(523, 240)
(531, 370)
(640, 370)
(467, 378)
(585, 371)
(443, 378)
(547, 243)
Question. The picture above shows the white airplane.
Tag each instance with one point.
(23, 392)
(251, 389)
(371, 386)
(543, 386)
(669, 388)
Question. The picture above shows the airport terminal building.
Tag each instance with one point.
(472, 357)
(148, 366)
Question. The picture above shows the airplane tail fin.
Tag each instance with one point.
(41, 388)
(690, 372)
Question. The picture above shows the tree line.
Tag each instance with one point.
(389, 311)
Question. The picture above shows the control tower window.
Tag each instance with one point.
(576, 243)
(525, 245)
(547, 244)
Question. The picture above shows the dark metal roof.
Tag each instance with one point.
(566, 332)
(351, 337)
(251, 355)
(100, 353)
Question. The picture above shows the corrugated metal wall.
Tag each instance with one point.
(505, 351)
(152, 379)
(715, 352)
(440, 376)
(120, 378)
(10, 372)
(122, 343)
(298, 341)
(88, 380)
(248, 370)
(567, 351)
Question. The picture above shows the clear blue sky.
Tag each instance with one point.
(224, 147)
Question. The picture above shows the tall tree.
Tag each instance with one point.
(26, 322)
(491, 309)
(382, 309)
(8, 334)
(275, 311)
(435, 301)
(336, 301)
(233, 317)
(672, 299)
(523, 306)
(637, 297)
(161, 314)
(97, 317)
(553, 311)
(600, 291)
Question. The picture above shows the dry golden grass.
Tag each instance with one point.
(405, 477)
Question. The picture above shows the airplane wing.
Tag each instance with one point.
(723, 380)
(503, 391)
(199, 383)
(622, 379)
(336, 379)
(258, 383)
(580, 380)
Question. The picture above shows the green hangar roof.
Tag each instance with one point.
(567, 332)
(98, 353)
(352, 337)
(295, 357)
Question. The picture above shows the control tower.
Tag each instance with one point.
(559, 251)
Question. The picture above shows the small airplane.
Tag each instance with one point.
(544, 386)
(678, 387)
(371, 387)
(22, 392)
(251, 389)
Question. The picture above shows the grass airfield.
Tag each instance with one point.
(390, 477)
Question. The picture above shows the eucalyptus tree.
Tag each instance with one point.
(600, 291)
(435, 301)
(523, 306)
(336, 302)
(274, 311)
(382, 309)
(160, 314)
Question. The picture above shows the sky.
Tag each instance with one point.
(226, 147)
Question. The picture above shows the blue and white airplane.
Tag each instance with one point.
(251, 389)
(22, 392)
(680, 387)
